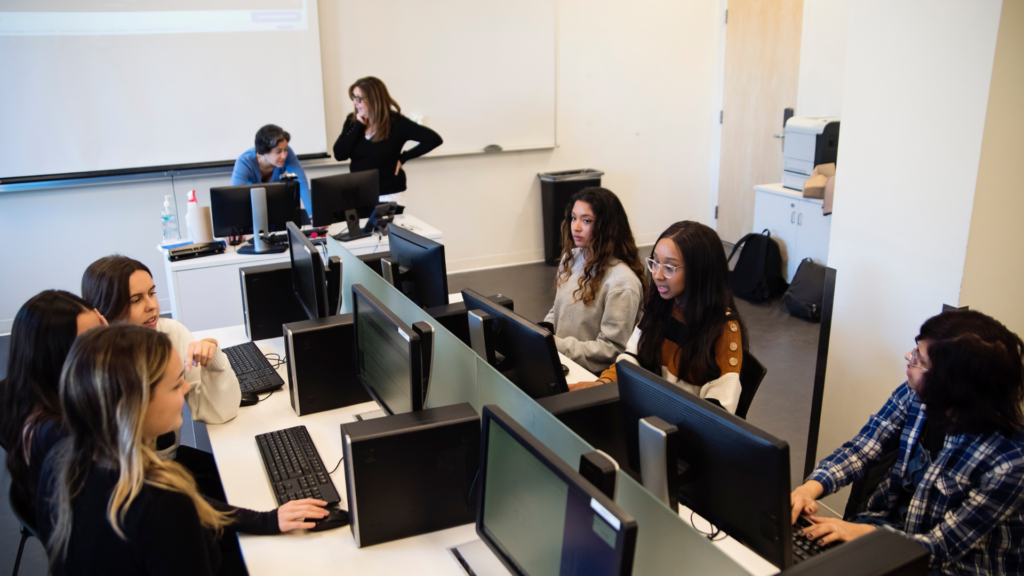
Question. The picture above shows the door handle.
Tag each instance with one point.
(778, 135)
(800, 219)
(792, 217)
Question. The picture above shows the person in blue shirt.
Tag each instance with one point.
(957, 429)
(268, 160)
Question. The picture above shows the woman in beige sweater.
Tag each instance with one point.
(600, 281)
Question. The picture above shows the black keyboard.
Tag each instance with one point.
(294, 467)
(255, 374)
(804, 549)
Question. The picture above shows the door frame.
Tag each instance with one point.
(716, 130)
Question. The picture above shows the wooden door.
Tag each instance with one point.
(762, 65)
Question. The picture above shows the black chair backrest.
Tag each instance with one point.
(751, 374)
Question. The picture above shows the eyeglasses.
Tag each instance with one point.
(666, 269)
(914, 360)
(358, 99)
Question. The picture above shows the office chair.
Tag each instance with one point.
(28, 527)
(751, 375)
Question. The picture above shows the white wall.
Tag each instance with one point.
(823, 57)
(635, 99)
(914, 102)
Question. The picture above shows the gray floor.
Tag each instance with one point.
(785, 345)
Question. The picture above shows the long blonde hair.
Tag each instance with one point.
(105, 388)
(382, 105)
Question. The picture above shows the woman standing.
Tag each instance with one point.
(600, 281)
(373, 137)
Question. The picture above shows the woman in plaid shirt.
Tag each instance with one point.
(957, 486)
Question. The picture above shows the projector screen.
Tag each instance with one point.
(93, 85)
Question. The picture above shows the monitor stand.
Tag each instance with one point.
(354, 231)
(370, 415)
(268, 249)
(475, 558)
(258, 200)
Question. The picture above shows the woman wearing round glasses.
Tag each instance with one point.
(956, 428)
(690, 332)
(600, 282)
(373, 137)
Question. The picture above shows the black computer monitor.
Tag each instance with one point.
(393, 359)
(416, 267)
(332, 196)
(733, 474)
(231, 208)
(524, 352)
(539, 515)
(308, 279)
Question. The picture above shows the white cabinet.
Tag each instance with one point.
(796, 222)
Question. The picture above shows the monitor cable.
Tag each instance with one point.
(715, 531)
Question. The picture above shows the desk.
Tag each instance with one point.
(334, 551)
(191, 282)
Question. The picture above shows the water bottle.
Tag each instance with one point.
(169, 222)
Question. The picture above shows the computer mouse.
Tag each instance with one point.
(249, 399)
(565, 370)
(336, 518)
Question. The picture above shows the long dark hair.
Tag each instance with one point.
(611, 237)
(44, 330)
(705, 299)
(106, 284)
(382, 106)
(975, 378)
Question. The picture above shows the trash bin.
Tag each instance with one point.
(556, 188)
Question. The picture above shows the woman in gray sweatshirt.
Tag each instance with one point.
(600, 281)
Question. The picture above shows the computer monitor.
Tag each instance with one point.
(524, 352)
(308, 280)
(231, 208)
(393, 359)
(416, 267)
(332, 196)
(539, 515)
(733, 474)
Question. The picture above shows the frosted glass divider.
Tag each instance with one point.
(453, 371)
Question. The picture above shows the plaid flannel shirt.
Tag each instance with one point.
(968, 510)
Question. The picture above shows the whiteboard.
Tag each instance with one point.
(479, 72)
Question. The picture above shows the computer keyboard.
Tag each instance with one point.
(255, 374)
(294, 467)
(804, 549)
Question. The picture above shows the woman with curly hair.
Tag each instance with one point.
(600, 281)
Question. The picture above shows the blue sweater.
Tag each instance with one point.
(247, 171)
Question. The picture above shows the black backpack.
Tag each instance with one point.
(758, 273)
(807, 292)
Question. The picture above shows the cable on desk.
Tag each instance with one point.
(267, 396)
(713, 535)
(336, 465)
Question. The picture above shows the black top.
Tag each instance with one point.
(384, 155)
(163, 532)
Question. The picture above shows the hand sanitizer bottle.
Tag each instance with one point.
(169, 222)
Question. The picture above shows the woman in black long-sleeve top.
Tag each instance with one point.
(107, 503)
(373, 136)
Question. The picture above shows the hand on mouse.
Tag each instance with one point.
(290, 516)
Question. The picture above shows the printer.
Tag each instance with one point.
(810, 141)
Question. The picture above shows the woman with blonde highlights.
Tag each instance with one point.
(373, 137)
(107, 503)
(600, 281)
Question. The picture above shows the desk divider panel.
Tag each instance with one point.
(453, 372)
(666, 543)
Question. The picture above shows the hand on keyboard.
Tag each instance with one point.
(828, 530)
(292, 515)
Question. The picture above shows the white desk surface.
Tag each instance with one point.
(360, 246)
(335, 551)
(331, 551)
